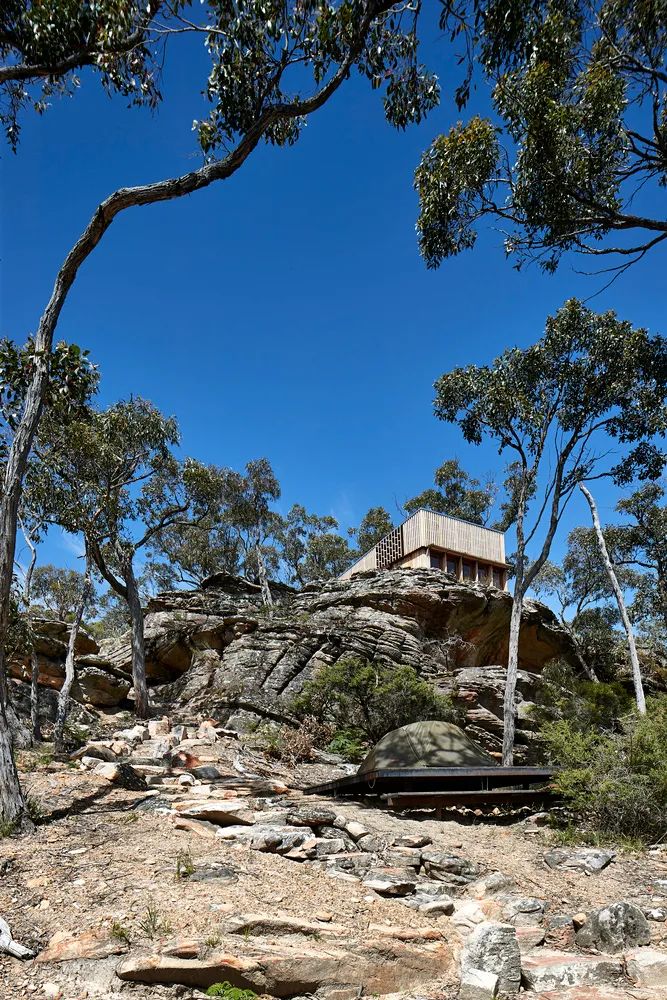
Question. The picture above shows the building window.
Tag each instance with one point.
(484, 573)
(453, 566)
(468, 570)
(498, 578)
(436, 560)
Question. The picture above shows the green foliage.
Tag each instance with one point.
(263, 60)
(375, 525)
(57, 591)
(582, 704)
(229, 992)
(348, 744)
(120, 933)
(615, 781)
(309, 547)
(579, 95)
(368, 699)
(458, 495)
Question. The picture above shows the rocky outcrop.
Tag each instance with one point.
(219, 648)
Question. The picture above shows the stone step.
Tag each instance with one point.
(555, 970)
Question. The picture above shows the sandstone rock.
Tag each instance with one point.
(442, 905)
(67, 947)
(312, 816)
(198, 826)
(389, 883)
(223, 812)
(449, 868)
(415, 841)
(529, 938)
(554, 970)
(647, 967)
(353, 829)
(614, 928)
(283, 969)
(223, 652)
(371, 844)
(120, 774)
(586, 859)
(489, 884)
(478, 985)
(493, 948)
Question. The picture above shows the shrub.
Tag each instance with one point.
(563, 695)
(348, 744)
(229, 992)
(295, 746)
(368, 699)
(616, 782)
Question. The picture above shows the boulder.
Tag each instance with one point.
(614, 928)
(478, 985)
(493, 948)
(66, 946)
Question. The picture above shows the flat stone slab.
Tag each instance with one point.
(554, 970)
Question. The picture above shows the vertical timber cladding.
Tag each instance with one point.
(390, 548)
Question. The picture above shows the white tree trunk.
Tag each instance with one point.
(509, 706)
(70, 661)
(141, 700)
(618, 594)
(263, 576)
(12, 805)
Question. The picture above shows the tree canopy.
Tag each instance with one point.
(579, 127)
(457, 494)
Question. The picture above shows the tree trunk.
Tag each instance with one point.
(70, 662)
(261, 572)
(618, 594)
(509, 706)
(34, 696)
(141, 702)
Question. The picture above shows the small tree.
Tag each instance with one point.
(328, 556)
(371, 699)
(642, 545)
(457, 494)
(115, 478)
(186, 554)
(551, 406)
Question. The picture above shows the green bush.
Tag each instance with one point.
(615, 781)
(348, 744)
(229, 992)
(367, 700)
(563, 695)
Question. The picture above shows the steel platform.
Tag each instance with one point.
(432, 779)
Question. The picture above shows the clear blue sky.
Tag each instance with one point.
(285, 312)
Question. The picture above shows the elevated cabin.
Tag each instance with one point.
(466, 551)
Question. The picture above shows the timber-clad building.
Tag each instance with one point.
(466, 551)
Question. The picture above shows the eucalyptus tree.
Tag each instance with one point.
(246, 507)
(457, 494)
(328, 556)
(270, 65)
(297, 535)
(44, 45)
(57, 590)
(69, 381)
(375, 525)
(578, 129)
(115, 478)
(184, 555)
(618, 594)
(641, 544)
(590, 380)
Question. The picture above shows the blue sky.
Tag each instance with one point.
(285, 312)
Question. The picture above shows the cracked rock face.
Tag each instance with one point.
(218, 647)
